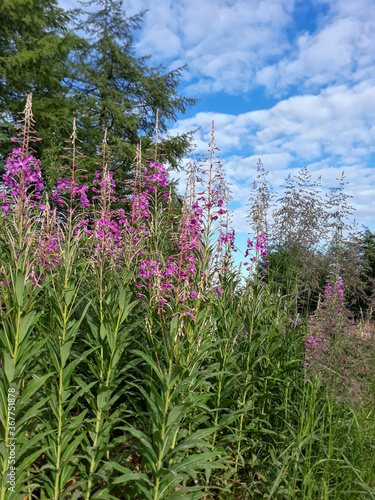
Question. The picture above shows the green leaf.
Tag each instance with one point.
(103, 331)
(65, 351)
(187, 493)
(151, 363)
(144, 443)
(131, 476)
(72, 365)
(103, 397)
(195, 440)
(29, 459)
(76, 324)
(54, 358)
(68, 453)
(176, 413)
(8, 366)
(67, 474)
(34, 386)
(20, 280)
(198, 461)
(25, 323)
(69, 293)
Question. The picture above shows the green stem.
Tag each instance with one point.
(92, 463)
(244, 398)
(59, 432)
(60, 413)
(160, 457)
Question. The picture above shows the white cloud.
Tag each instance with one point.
(342, 49)
(223, 43)
(338, 121)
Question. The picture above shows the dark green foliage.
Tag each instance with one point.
(115, 90)
(298, 273)
(365, 302)
(34, 49)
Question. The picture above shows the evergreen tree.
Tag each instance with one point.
(115, 90)
(35, 43)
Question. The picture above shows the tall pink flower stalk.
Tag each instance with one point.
(23, 177)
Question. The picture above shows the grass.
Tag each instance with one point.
(136, 364)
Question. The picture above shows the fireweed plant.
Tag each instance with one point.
(142, 365)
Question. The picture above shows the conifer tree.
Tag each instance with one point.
(115, 90)
(35, 43)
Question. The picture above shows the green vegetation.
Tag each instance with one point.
(135, 363)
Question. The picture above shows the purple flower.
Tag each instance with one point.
(22, 171)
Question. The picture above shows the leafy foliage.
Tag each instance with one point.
(134, 362)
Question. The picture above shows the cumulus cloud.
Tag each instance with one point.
(338, 121)
(224, 43)
(342, 50)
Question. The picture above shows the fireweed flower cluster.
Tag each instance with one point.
(48, 248)
(155, 176)
(106, 183)
(336, 294)
(208, 203)
(227, 238)
(190, 229)
(161, 276)
(260, 248)
(74, 189)
(149, 269)
(107, 232)
(140, 207)
(312, 342)
(22, 173)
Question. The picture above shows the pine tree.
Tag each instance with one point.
(115, 90)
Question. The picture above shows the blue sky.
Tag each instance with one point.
(291, 82)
